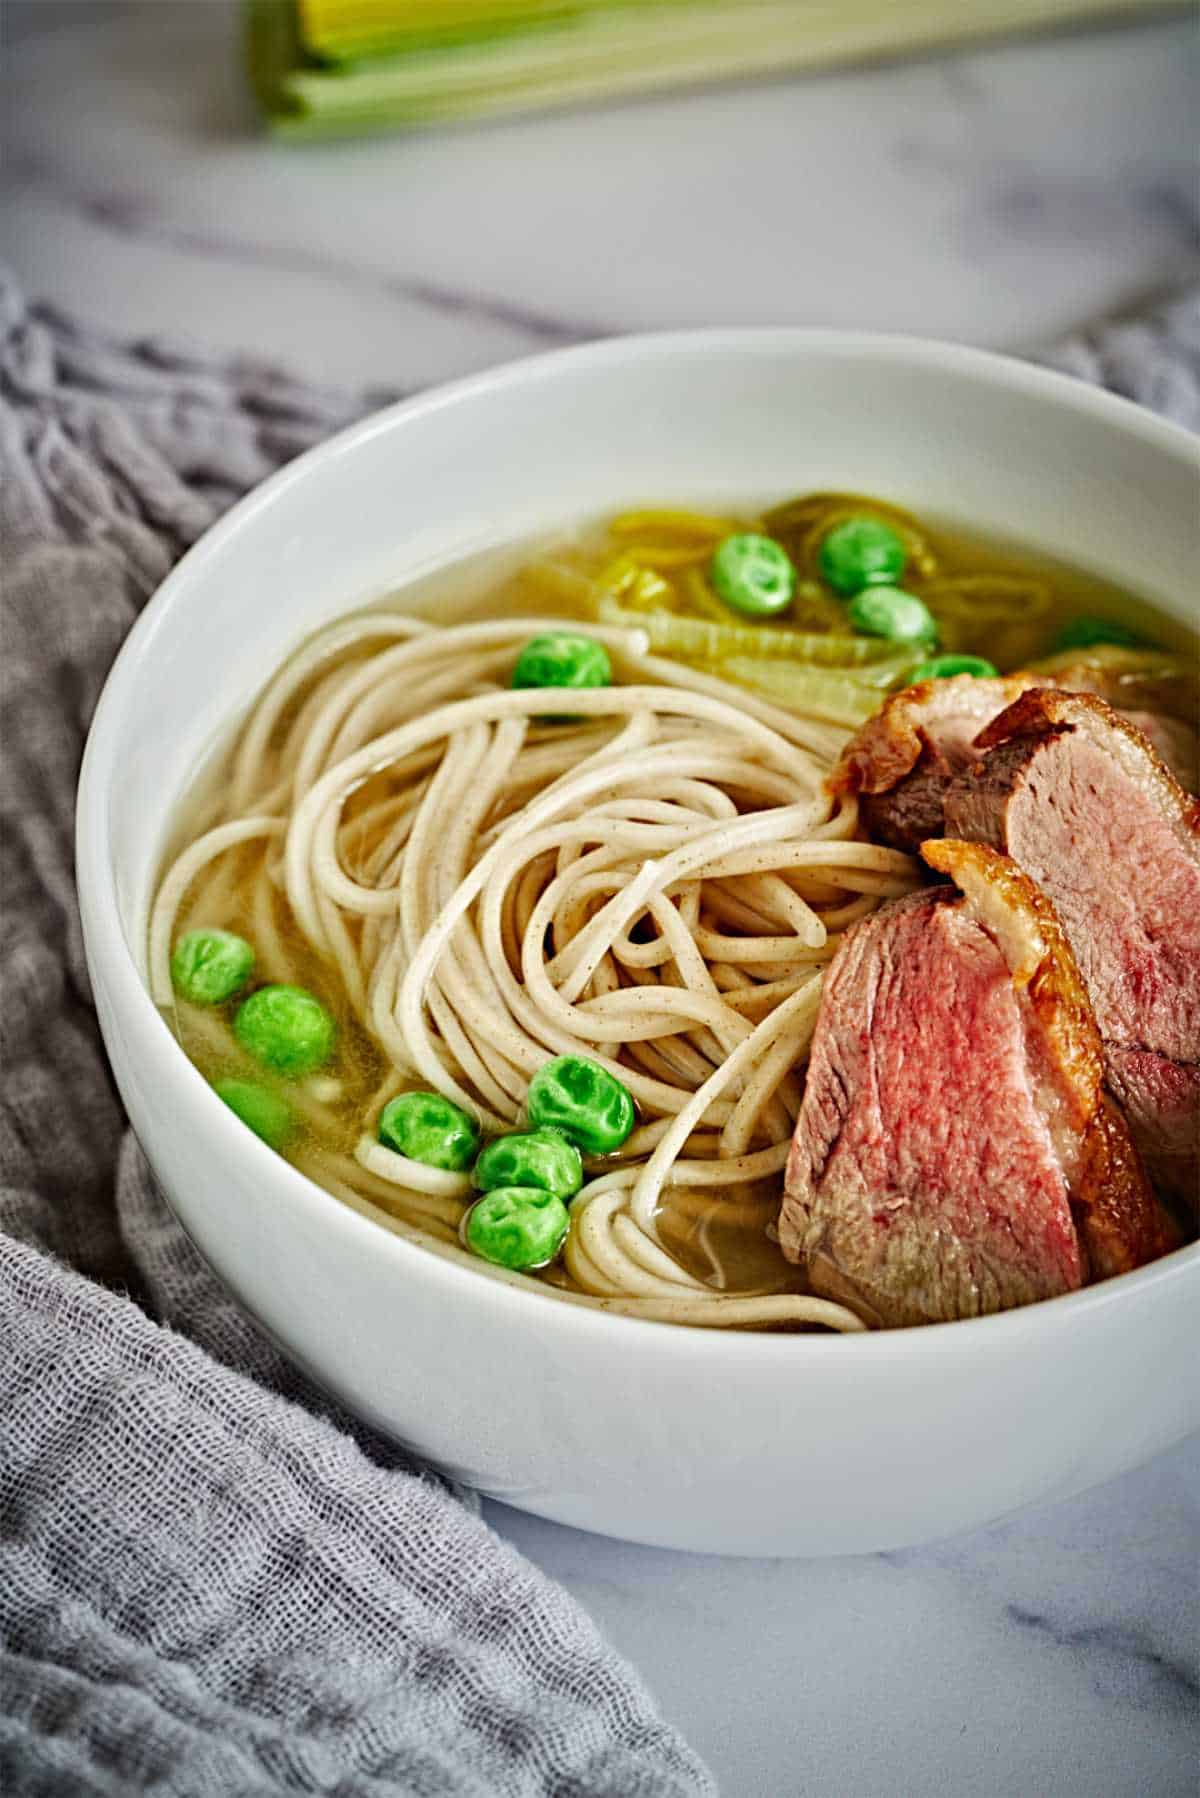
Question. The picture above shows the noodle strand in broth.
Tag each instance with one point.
(471, 884)
(657, 882)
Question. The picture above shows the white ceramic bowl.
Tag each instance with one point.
(690, 1438)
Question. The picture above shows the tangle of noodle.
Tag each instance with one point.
(657, 884)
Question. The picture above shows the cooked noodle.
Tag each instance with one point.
(657, 883)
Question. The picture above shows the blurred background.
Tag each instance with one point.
(997, 186)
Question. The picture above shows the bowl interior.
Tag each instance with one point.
(701, 419)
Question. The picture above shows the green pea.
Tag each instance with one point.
(861, 552)
(563, 659)
(210, 966)
(753, 574)
(260, 1110)
(426, 1127)
(540, 1158)
(890, 612)
(517, 1226)
(286, 1028)
(583, 1100)
(942, 667)
(1085, 633)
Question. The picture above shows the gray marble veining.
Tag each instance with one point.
(997, 195)
(1058, 1652)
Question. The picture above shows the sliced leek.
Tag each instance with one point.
(327, 67)
(705, 640)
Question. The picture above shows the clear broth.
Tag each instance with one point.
(552, 579)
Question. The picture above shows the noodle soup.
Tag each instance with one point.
(473, 878)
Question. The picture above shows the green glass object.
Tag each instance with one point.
(539, 1158)
(588, 1104)
(517, 1226)
(890, 612)
(1085, 633)
(426, 1127)
(942, 667)
(563, 659)
(210, 966)
(753, 575)
(861, 552)
(285, 1028)
(260, 1110)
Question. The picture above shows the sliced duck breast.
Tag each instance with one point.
(955, 1153)
(1077, 796)
(901, 761)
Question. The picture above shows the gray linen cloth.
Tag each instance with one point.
(211, 1582)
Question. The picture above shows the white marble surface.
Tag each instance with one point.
(998, 196)
(1053, 1656)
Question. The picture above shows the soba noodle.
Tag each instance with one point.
(657, 883)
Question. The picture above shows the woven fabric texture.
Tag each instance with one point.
(211, 1582)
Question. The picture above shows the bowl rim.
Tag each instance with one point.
(524, 1300)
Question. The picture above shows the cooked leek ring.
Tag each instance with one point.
(672, 539)
(669, 555)
(977, 597)
(642, 589)
(676, 529)
(699, 598)
(802, 525)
